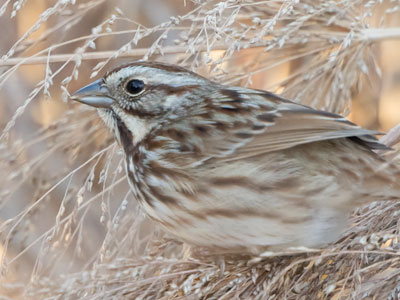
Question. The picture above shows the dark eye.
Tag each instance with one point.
(135, 86)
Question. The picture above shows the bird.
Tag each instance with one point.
(234, 168)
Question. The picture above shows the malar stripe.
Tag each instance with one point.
(125, 134)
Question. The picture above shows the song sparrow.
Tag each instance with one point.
(232, 167)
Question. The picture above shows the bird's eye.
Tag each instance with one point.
(134, 86)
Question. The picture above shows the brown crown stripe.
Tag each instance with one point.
(155, 65)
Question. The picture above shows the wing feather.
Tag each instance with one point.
(246, 123)
(287, 124)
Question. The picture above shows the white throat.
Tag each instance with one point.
(137, 126)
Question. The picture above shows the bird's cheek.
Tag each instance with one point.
(145, 108)
(172, 102)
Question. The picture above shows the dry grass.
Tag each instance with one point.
(70, 228)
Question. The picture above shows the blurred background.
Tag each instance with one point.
(64, 203)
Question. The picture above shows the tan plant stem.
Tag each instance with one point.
(371, 34)
(392, 137)
(55, 58)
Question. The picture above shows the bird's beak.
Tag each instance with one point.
(94, 94)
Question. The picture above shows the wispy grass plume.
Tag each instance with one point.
(69, 227)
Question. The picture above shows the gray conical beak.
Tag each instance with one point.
(94, 94)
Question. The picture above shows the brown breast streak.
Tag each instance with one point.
(138, 154)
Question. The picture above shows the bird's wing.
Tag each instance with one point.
(259, 122)
(240, 123)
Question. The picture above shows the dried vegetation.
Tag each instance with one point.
(68, 225)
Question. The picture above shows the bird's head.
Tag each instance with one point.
(137, 97)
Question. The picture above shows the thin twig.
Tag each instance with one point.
(56, 58)
(371, 34)
(392, 137)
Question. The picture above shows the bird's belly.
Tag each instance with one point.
(272, 201)
(234, 228)
(258, 231)
(244, 215)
